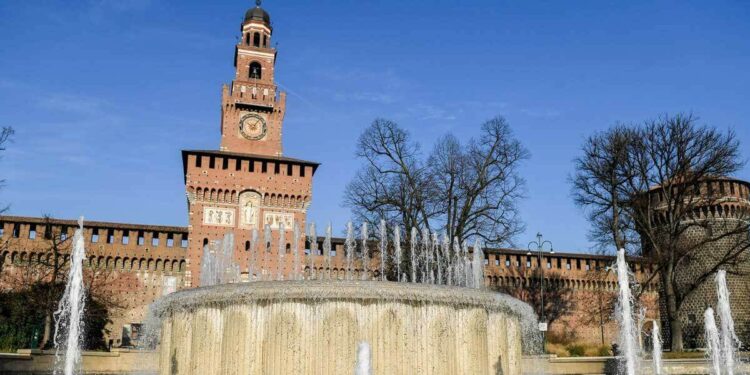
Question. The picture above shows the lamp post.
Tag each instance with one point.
(538, 246)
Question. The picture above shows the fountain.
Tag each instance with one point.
(69, 315)
(656, 348)
(293, 326)
(363, 359)
(713, 346)
(628, 337)
(729, 341)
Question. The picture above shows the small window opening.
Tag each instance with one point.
(238, 165)
(264, 167)
(2, 229)
(288, 248)
(110, 236)
(302, 170)
(155, 239)
(256, 40)
(268, 246)
(125, 237)
(265, 40)
(212, 162)
(507, 262)
(95, 235)
(170, 240)
(247, 39)
(288, 169)
(251, 165)
(16, 230)
(225, 163)
(198, 161)
(184, 242)
(255, 71)
(276, 168)
(63, 233)
(141, 238)
(48, 232)
(247, 245)
(32, 232)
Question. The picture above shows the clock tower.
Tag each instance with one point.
(247, 187)
(252, 111)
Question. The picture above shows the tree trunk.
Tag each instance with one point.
(47, 331)
(675, 325)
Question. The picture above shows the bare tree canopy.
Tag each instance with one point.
(656, 182)
(465, 190)
(6, 135)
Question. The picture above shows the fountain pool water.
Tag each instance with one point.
(313, 327)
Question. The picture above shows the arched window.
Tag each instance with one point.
(265, 41)
(247, 245)
(256, 40)
(288, 248)
(247, 39)
(255, 70)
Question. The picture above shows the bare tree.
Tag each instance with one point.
(392, 184)
(6, 135)
(464, 190)
(600, 185)
(667, 184)
(478, 184)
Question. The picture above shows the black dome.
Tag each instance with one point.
(257, 14)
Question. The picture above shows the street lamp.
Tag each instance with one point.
(538, 246)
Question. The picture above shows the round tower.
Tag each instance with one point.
(714, 233)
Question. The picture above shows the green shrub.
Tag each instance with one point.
(576, 350)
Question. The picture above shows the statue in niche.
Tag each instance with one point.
(249, 208)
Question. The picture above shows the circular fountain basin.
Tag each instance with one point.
(314, 327)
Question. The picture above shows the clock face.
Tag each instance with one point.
(253, 127)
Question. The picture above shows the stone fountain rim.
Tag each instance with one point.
(316, 292)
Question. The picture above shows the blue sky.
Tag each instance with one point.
(104, 94)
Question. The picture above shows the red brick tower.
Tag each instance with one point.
(247, 183)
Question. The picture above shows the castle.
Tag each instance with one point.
(248, 183)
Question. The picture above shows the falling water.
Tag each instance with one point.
(218, 265)
(468, 274)
(729, 340)
(413, 254)
(313, 237)
(628, 339)
(713, 345)
(266, 250)
(383, 248)
(365, 253)
(281, 252)
(426, 257)
(477, 266)
(363, 359)
(295, 249)
(442, 251)
(457, 264)
(252, 268)
(397, 251)
(327, 250)
(656, 348)
(69, 314)
(349, 248)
